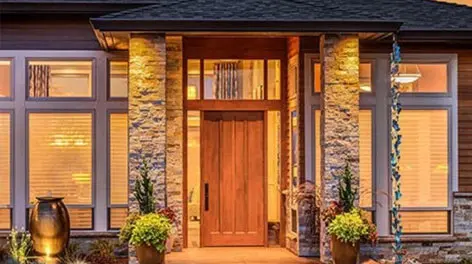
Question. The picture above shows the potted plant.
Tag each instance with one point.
(347, 224)
(147, 230)
(149, 236)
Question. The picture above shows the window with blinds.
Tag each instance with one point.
(365, 156)
(118, 138)
(5, 78)
(118, 79)
(5, 170)
(424, 169)
(60, 161)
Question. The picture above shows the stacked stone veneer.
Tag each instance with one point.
(339, 119)
(155, 114)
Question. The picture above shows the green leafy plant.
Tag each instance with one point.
(143, 190)
(151, 230)
(127, 229)
(347, 193)
(102, 251)
(20, 246)
(349, 227)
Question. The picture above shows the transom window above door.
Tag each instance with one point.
(233, 79)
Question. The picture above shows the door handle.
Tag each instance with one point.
(207, 197)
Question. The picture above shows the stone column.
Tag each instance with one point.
(147, 113)
(174, 145)
(339, 118)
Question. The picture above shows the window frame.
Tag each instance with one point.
(111, 206)
(10, 206)
(12, 79)
(94, 161)
(93, 74)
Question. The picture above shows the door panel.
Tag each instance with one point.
(233, 169)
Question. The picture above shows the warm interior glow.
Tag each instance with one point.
(5, 78)
(66, 78)
(425, 222)
(118, 134)
(193, 177)
(118, 79)
(5, 172)
(273, 165)
(423, 78)
(193, 79)
(273, 79)
(65, 169)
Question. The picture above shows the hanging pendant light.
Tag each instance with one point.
(408, 73)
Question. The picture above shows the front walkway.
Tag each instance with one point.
(235, 256)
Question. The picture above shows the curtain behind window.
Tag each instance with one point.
(227, 84)
(39, 80)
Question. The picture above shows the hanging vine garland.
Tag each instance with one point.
(395, 152)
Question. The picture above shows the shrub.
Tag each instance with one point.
(151, 230)
(72, 254)
(102, 252)
(349, 227)
(20, 246)
(347, 194)
(127, 229)
(144, 190)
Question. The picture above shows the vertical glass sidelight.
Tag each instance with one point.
(273, 173)
(60, 161)
(5, 172)
(48, 79)
(5, 78)
(193, 177)
(273, 79)
(118, 169)
(118, 79)
(193, 80)
(234, 79)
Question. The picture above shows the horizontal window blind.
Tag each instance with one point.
(5, 162)
(117, 217)
(425, 222)
(118, 168)
(365, 155)
(119, 158)
(5, 219)
(424, 158)
(60, 156)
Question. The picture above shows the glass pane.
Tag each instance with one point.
(60, 78)
(273, 165)
(365, 77)
(424, 158)
(193, 177)
(60, 156)
(5, 153)
(423, 78)
(273, 79)
(294, 149)
(118, 158)
(118, 217)
(80, 218)
(5, 78)
(234, 79)
(365, 158)
(365, 155)
(118, 79)
(5, 219)
(425, 222)
(193, 79)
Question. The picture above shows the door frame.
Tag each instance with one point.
(265, 48)
(265, 175)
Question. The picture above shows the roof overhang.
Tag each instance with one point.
(137, 25)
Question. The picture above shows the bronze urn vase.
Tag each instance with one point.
(49, 226)
(149, 255)
(344, 253)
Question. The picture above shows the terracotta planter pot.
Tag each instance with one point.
(344, 253)
(149, 255)
(49, 226)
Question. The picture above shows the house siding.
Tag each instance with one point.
(22, 32)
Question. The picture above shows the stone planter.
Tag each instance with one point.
(49, 225)
(344, 253)
(149, 255)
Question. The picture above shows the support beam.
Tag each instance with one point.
(339, 119)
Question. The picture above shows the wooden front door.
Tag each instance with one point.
(233, 179)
